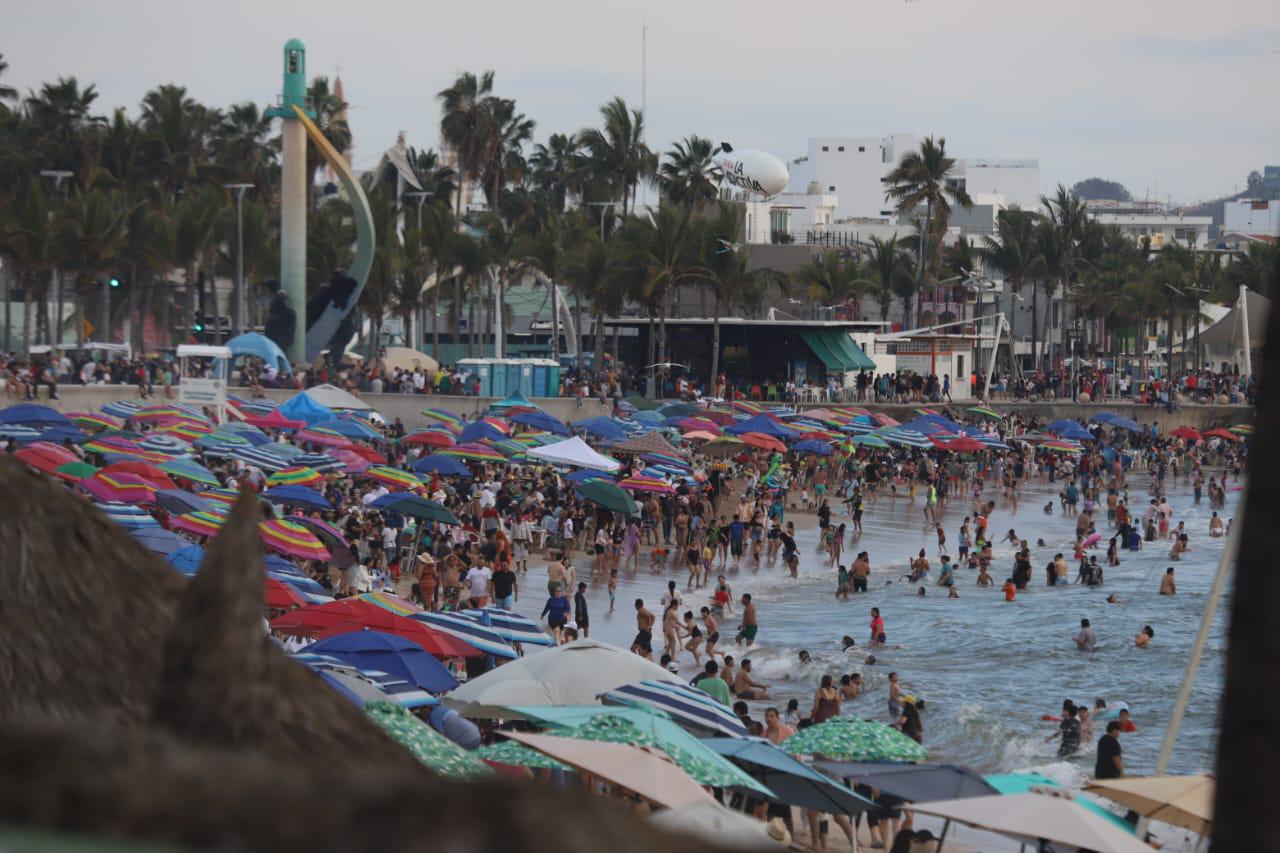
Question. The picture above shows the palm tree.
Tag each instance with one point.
(831, 279)
(587, 271)
(473, 264)
(331, 120)
(616, 153)
(1254, 269)
(7, 93)
(1066, 212)
(463, 123)
(688, 173)
(439, 238)
(25, 235)
(501, 157)
(1014, 252)
(435, 178)
(331, 233)
(555, 168)
(921, 180)
(728, 275)
(886, 271)
(245, 150)
(177, 132)
(89, 234)
(196, 218)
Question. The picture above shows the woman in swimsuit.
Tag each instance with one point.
(826, 702)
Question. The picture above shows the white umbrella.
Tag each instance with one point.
(710, 822)
(1185, 801)
(1034, 817)
(408, 360)
(572, 674)
(333, 397)
(573, 452)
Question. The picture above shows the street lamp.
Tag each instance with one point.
(421, 196)
(241, 304)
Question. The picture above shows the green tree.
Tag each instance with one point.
(1014, 253)
(556, 168)
(89, 235)
(588, 271)
(886, 272)
(832, 279)
(616, 154)
(331, 121)
(25, 237)
(688, 176)
(7, 93)
(464, 123)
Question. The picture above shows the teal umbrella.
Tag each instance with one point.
(427, 745)
(869, 440)
(849, 739)
(609, 495)
(519, 755)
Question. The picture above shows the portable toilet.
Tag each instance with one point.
(497, 378)
(482, 369)
(525, 366)
(553, 378)
(510, 371)
(539, 368)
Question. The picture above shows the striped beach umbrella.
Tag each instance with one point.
(128, 517)
(152, 475)
(18, 432)
(225, 497)
(1242, 429)
(393, 478)
(292, 540)
(449, 420)
(259, 458)
(153, 413)
(1061, 446)
(185, 429)
(429, 438)
(322, 438)
(120, 409)
(906, 437)
(186, 469)
(473, 451)
(469, 631)
(511, 626)
(45, 456)
(649, 485)
(93, 421)
(984, 411)
(328, 534)
(687, 705)
(348, 427)
(169, 444)
(198, 523)
(322, 462)
(118, 487)
(295, 475)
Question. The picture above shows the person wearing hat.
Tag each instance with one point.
(427, 580)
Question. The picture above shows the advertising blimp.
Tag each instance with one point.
(754, 171)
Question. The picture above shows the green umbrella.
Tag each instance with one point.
(420, 507)
(641, 403)
(849, 739)
(705, 769)
(985, 411)
(869, 440)
(76, 470)
(609, 495)
(427, 745)
(519, 755)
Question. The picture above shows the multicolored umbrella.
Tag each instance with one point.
(1219, 432)
(850, 739)
(651, 485)
(128, 517)
(474, 451)
(292, 540)
(468, 631)
(360, 613)
(330, 535)
(393, 478)
(449, 420)
(153, 475)
(348, 428)
(518, 755)
(223, 496)
(429, 438)
(1061, 446)
(433, 749)
(326, 438)
(120, 408)
(186, 429)
(45, 456)
(295, 475)
(511, 626)
(160, 412)
(984, 411)
(93, 421)
(725, 445)
(119, 488)
(1242, 429)
(199, 523)
(74, 472)
(185, 469)
(869, 440)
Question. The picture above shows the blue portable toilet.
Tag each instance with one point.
(553, 378)
(497, 378)
(482, 369)
(525, 366)
(510, 376)
(539, 366)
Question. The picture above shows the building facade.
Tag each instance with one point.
(1251, 217)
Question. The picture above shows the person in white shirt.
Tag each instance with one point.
(388, 544)
(521, 536)
(374, 495)
(478, 584)
(419, 381)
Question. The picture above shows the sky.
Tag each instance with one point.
(1170, 98)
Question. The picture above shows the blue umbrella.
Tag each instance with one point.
(473, 633)
(259, 346)
(1104, 417)
(321, 462)
(120, 408)
(268, 462)
(479, 431)
(59, 433)
(649, 416)
(762, 424)
(540, 420)
(513, 627)
(166, 444)
(584, 474)
(157, 540)
(812, 446)
(280, 565)
(447, 466)
(602, 427)
(32, 414)
(1125, 424)
(19, 433)
(687, 705)
(349, 428)
(297, 496)
(792, 783)
(186, 559)
(1069, 429)
(311, 592)
(128, 516)
(382, 652)
(178, 502)
(396, 689)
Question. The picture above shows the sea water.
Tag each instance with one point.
(987, 669)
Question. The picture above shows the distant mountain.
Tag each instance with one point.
(1100, 189)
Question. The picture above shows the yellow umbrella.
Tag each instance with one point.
(1185, 801)
(407, 359)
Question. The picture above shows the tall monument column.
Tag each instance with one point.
(293, 197)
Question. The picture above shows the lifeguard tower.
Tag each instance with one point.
(203, 375)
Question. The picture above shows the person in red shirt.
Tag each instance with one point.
(1010, 590)
(878, 637)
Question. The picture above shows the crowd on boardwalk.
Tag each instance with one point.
(370, 523)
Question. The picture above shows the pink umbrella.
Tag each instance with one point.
(306, 436)
(119, 487)
(352, 461)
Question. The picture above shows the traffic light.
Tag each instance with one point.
(114, 282)
(196, 325)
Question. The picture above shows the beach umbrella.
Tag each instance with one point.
(376, 650)
(540, 420)
(762, 441)
(1036, 818)
(310, 591)
(157, 540)
(186, 469)
(849, 739)
(429, 438)
(198, 523)
(347, 428)
(984, 411)
(325, 438)
(1103, 417)
(515, 754)
(869, 440)
(912, 782)
(119, 488)
(511, 626)
(274, 419)
(792, 782)
(226, 497)
(33, 415)
(472, 451)
(341, 554)
(448, 419)
(393, 478)
(468, 631)
(128, 517)
(687, 705)
(1021, 783)
(441, 755)
(1219, 432)
(573, 674)
(93, 421)
(74, 472)
(725, 445)
(295, 475)
(647, 484)
(179, 502)
(479, 431)
(259, 458)
(367, 613)
(1064, 428)
(120, 408)
(186, 559)
(884, 420)
(1061, 446)
(45, 457)
(642, 726)
(1126, 424)
(601, 427)
(324, 462)
(819, 448)
(282, 596)
(608, 495)
(444, 465)
(416, 506)
(1185, 801)
(297, 496)
(293, 540)
(698, 435)
(1186, 432)
(906, 437)
(18, 432)
(153, 475)
(1242, 429)
(648, 418)
(959, 444)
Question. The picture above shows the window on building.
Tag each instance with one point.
(841, 148)
(826, 148)
(886, 213)
(1186, 235)
(861, 148)
(831, 188)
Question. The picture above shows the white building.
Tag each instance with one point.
(1255, 218)
(1140, 219)
(793, 214)
(853, 168)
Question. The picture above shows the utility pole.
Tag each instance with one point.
(55, 282)
(241, 305)
(421, 195)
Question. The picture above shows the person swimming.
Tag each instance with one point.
(1144, 637)
(804, 657)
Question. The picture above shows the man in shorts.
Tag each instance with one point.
(747, 631)
(643, 643)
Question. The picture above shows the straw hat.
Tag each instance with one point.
(778, 831)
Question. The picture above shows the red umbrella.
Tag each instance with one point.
(153, 475)
(429, 438)
(45, 456)
(367, 452)
(960, 444)
(347, 615)
(762, 441)
(1219, 432)
(324, 439)
(1185, 432)
(281, 596)
(119, 488)
(724, 419)
(275, 420)
(700, 424)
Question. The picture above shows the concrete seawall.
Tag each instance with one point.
(408, 407)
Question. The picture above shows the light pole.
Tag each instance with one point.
(421, 196)
(241, 303)
(55, 283)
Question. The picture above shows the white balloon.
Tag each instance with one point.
(751, 170)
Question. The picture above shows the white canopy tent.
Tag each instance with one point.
(333, 397)
(574, 452)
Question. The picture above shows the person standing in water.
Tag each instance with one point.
(747, 630)
(878, 636)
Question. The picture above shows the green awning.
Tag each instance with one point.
(837, 350)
